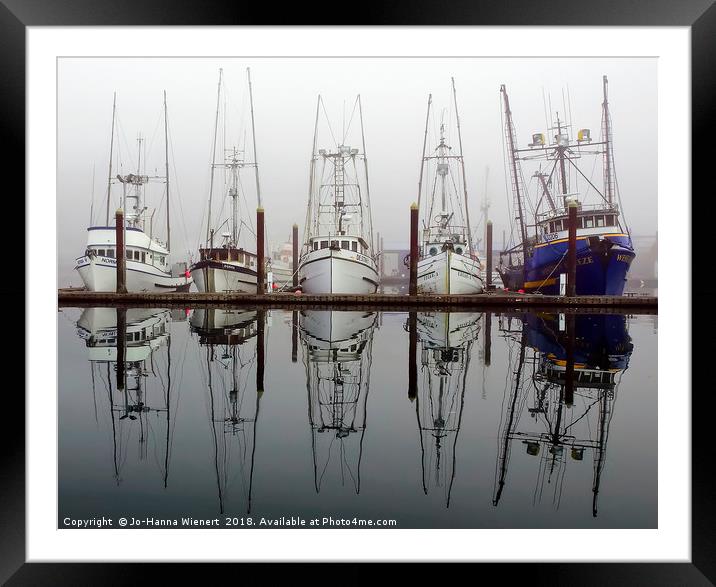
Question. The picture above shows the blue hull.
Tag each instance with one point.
(602, 266)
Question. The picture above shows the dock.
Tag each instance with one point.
(497, 300)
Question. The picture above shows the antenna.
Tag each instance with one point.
(462, 165)
(253, 134)
(111, 146)
(425, 140)
(166, 162)
(213, 157)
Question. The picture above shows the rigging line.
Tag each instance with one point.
(328, 122)
(350, 121)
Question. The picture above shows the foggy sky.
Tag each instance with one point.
(394, 97)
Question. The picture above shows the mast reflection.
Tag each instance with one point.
(229, 339)
(337, 355)
(123, 349)
(560, 398)
(446, 341)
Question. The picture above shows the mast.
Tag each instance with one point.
(367, 184)
(607, 131)
(425, 141)
(308, 225)
(213, 157)
(253, 135)
(462, 165)
(514, 170)
(560, 150)
(166, 162)
(111, 146)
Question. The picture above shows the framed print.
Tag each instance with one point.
(253, 347)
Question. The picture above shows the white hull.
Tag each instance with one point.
(330, 271)
(100, 274)
(447, 329)
(448, 273)
(214, 279)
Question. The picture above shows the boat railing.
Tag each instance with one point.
(581, 209)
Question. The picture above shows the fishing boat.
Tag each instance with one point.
(338, 251)
(147, 258)
(224, 264)
(560, 358)
(446, 341)
(604, 250)
(280, 265)
(337, 356)
(448, 262)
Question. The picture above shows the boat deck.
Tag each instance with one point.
(637, 304)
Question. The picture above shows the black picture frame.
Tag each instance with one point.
(699, 15)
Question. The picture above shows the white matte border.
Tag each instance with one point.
(672, 540)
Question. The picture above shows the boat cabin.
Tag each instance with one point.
(589, 221)
(336, 242)
(229, 254)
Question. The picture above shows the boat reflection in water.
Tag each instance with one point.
(337, 349)
(560, 400)
(446, 341)
(124, 353)
(229, 341)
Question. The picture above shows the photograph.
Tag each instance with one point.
(365, 293)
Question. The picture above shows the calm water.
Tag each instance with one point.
(483, 429)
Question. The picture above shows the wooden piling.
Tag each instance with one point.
(121, 346)
(413, 288)
(121, 254)
(260, 248)
(569, 370)
(294, 336)
(294, 266)
(412, 355)
(572, 251)
(260, 359)
(488, 339)
(488, 252)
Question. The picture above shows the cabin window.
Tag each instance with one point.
(433, 251)
(589, 222)
(110, 253)
(345, 245)
(136, 255)
(315, 245)
(334, 244)
(354, 246)
(458, 250)
(100, 252)
(580, 222)
(129, 254)
(144, 257)
(599, 220)
(324, 244)
(240, 256)
(161, 259)
(610, 220)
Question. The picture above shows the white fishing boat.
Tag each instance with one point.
(338, 252)
(147, 266)
(226, 266)
(280, 265)
(448, 262)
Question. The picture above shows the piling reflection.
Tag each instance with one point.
(560, 399)
(337, 355)
(446, 341)
(122, 349)
(230, 343)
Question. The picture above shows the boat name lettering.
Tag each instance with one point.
(585, 261)
(624, 258)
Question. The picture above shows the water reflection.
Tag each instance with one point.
(530, 396)
(120, 345)
(229, 341)
(337, 357)
(560, 399)
(445, 349)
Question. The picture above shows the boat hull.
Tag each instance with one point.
(448, 273)
(220, 276)
(332, 271)
(602, 267)
(100, 274)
